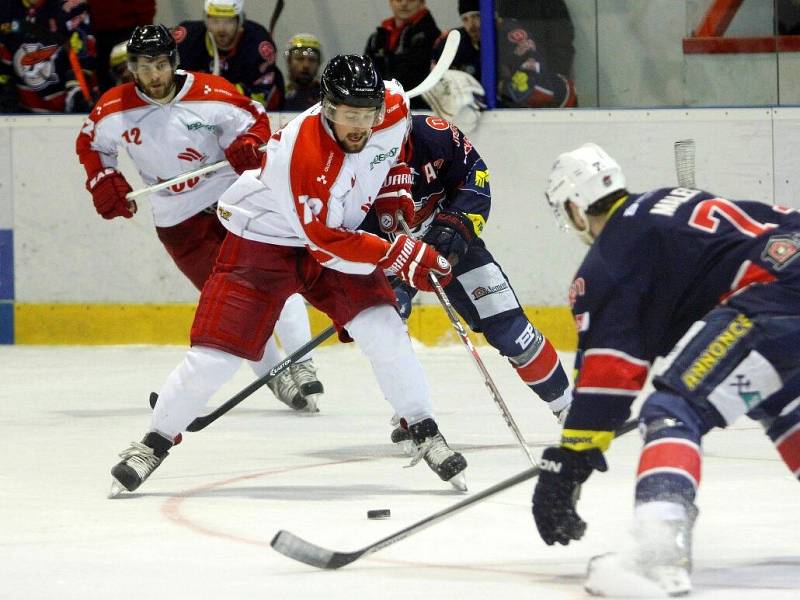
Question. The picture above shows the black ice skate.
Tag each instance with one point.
(402, 436)
(138, 462)
(310, 387)
(431, 445)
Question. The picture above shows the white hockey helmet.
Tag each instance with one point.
(225, 8)
(583, 177)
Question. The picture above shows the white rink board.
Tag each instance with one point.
(64, 252)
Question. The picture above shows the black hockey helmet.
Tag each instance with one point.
(352, 79)
(152, 41)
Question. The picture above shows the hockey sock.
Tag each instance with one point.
(784, 432)
(670, 461)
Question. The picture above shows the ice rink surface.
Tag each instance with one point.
(200, 526)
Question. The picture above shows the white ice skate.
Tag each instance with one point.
(619, 576)
(286, 390)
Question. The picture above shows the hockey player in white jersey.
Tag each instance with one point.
(171, 121)
(293, 227)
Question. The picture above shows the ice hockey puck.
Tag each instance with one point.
(383, 513)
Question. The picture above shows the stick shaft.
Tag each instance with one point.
(476, 358)
(205, 420)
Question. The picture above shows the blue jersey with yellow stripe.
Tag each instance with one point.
(663, 260)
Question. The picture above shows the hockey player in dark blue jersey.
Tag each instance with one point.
(240, 50)
(47, 56)
(451, 203)
(711, 284)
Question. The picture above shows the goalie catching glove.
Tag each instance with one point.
(451, 233)
(395, 198)
(413, 261)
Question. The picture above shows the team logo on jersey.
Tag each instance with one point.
(225, 215)
(781, 250)
(191, 154)
(437, 123)
(322, 179)
(179, 34)
(35, 64)
(481, 178)
(267, 51)
(576, 288)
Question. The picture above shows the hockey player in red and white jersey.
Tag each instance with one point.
(293, 227)
(171, 121)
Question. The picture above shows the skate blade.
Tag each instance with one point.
(116, 489)
(614, 576)
(459, 481)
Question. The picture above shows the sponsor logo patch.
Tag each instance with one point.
(486, 290)
(716, 351)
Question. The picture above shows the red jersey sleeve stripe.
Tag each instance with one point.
(789, 448)
(611, 370)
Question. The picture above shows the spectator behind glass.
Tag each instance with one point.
(303, 57)
(401, 47)
(47, 57)
(525, 79)
(788, 17)
(113, 22)
(240, 50)
(118, 64)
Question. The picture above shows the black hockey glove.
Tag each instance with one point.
(451, 233)
(557, 492)
(404, 294)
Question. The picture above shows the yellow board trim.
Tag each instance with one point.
(99, 324)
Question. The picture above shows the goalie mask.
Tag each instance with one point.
(582, 177)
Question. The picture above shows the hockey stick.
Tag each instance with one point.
(487, 379)
(684, 162)
(300, 550)
(276, 13)
(206, 420)
(448, 54)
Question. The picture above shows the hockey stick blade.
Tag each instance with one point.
(303, 551)
(445, 60)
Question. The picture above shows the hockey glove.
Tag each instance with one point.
(404, 295)
(451, 233)
(395, 198)
(557, 492)
(243, 153)
(413, 261)
(109, 188)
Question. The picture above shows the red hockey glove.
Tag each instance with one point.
(109, 188)
(413, 261)
(395, 197)
(243, 153)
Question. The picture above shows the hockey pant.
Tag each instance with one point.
(194, 245)
(483, 296)
(726, 365)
